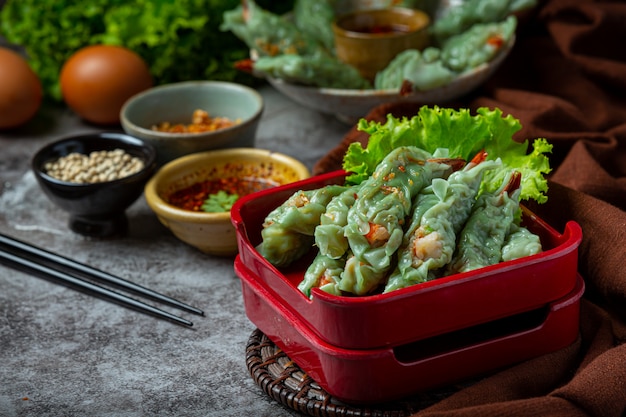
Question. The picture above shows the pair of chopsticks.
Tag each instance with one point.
(23, 256)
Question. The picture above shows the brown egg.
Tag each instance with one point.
(20, 90)
(98, 79)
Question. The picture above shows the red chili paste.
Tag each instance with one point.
(192, 197)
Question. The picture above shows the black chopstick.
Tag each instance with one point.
(53, 260)
(19, 254)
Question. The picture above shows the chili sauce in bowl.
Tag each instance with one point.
(180, 189)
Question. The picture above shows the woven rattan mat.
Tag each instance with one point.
(286, 383)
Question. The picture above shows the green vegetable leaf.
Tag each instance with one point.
(463, 135)
(219, 202)
(533, 167)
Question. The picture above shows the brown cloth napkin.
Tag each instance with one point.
(565, 80)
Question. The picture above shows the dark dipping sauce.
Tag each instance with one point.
(381, 29)
(192, 197)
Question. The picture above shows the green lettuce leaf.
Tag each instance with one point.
(463, 135)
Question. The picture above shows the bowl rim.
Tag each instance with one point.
(39, 158)
(127, 123)
(163, 208)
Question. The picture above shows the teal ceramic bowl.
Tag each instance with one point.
(175, 103)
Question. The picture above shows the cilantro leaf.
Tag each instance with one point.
(219, 202)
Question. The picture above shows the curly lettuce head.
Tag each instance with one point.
(463, 135)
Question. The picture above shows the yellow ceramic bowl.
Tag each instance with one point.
(213, 233)
(369, 39)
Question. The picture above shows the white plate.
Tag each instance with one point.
(351, 105)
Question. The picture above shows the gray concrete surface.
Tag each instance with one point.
(64, 353)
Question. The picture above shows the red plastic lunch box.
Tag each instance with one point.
(418, 313)
(384, 374)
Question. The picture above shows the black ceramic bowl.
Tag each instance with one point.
(96, 209)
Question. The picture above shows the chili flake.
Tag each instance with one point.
(201, 121)
(193, 197)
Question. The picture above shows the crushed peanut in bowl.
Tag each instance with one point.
(201, 121)
(98, 166)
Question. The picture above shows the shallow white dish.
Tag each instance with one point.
(351, 105)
